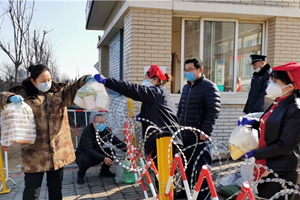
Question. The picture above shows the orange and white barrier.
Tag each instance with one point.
(246, 191)
(148, 179)
(184, 179)
(205, 173)
(153, 165)
(172, 172)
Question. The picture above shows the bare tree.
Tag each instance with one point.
(38, 49)
(65, 78)
(20, 15)
(6, 77)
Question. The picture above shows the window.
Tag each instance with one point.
(218, 51)
(251, 36)
(191, 40)
(225, 47)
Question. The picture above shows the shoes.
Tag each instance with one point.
(181, 195)
(107, 174)
(80, 180)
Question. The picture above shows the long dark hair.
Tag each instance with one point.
(36, 70)
(283, 77)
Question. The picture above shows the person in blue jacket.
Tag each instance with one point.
(157, 104)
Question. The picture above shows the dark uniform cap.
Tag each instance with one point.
(256, 58)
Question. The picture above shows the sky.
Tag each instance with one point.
(74, 46)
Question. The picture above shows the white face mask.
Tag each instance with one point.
(147, 83)
(44, 87)
(257, 70)
(274, 90)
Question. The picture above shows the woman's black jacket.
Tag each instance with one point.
(282, 136)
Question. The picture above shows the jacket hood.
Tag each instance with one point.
(31, 90)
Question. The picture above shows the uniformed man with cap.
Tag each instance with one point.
(259, 83)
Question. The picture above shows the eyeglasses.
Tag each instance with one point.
(189, 69)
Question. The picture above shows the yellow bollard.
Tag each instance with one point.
(130, 111)
(162, 146)
(2, 176)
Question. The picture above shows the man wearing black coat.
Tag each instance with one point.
(259, 83)
(90, 152)
(199, 107)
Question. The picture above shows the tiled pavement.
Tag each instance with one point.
(93, 189)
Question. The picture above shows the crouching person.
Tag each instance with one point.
(90, 152)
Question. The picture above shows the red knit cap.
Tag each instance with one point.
(155, 70)
(293, 71)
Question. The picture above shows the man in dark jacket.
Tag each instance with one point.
(259, 83)
(199, 107)
(90, 152)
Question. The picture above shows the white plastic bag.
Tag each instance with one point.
(242, 140)
(120, 173)
(17, 125)
(92, 96)
(247, 174)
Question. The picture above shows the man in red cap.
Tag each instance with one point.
(259, 83)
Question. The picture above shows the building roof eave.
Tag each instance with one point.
(97, 12)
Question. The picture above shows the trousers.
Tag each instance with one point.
(33, 182)
(84, 162)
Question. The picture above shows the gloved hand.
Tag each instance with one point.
(246, 121)
(100, 78)
(15, 99)
(137, 117)
(87, 78)
(248, 155)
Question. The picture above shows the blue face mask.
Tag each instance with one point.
(44, 87)
(190, 76)
(100, 127)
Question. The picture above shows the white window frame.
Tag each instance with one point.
(201, 44)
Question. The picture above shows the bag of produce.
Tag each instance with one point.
(92, 96)
(242, 140)
(17, 125)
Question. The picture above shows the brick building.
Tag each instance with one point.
(222, 33)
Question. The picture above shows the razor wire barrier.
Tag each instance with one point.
(121, 120)
(140, 146)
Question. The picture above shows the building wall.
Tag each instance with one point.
(147, 40)
(227, 121)
(283, 40)
(103, 55)
(272, 3)
(115, 57)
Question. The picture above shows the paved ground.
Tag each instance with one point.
(93, 189)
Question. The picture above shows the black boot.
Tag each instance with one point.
(105, 172)
(80, 176)
(80, 180)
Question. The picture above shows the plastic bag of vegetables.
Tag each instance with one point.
(92, 96)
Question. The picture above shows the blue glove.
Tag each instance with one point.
(248, 155)
(100, 78)
(246, 121)
(137, 117)
(15, 99)
(87, 78)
